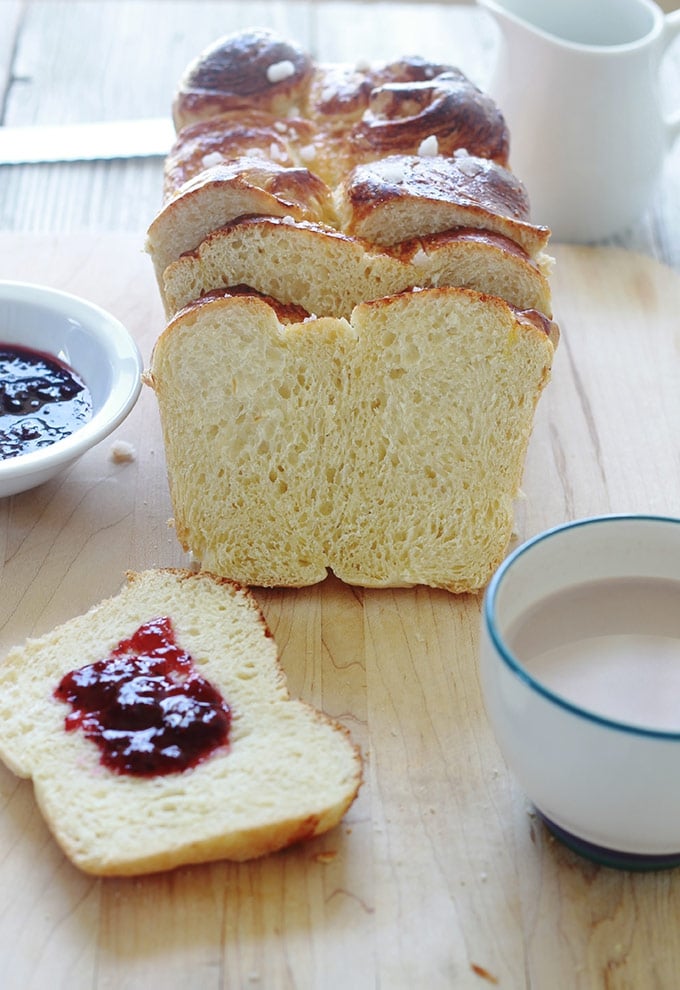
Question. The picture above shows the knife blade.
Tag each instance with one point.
(103, 140)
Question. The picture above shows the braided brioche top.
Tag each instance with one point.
(383, 153)
(252, 93)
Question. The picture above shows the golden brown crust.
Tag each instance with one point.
(251, 69)
(406, 250)
(358, 112)
(471, 191)
(386, 153)
(396, 106)
(534, 318)
(469, 181)
(297, 189)
(240, 134)
(285, 312)
(448, 109)
(339, 93)
(350, 116)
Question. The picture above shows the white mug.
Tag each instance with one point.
(578, 84)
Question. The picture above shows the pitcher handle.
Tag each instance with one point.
(672, 30)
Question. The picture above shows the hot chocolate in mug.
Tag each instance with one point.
(578, 84)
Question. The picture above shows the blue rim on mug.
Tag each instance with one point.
(488, 613)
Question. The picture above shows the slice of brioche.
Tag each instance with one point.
(404, 196)
(388, 448)
(223, 192)
(490, 263)
(287, 773)
(276, 257)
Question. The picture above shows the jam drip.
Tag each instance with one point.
(41, 400)
(145, 706)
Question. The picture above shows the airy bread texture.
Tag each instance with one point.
(388, 448)
(287, 773)
(275, 257)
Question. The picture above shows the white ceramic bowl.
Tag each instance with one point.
(92, 342)
(610, 789)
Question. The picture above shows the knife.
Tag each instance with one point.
(150, 138)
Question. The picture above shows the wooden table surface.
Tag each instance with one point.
(440, 876)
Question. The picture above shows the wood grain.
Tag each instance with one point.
(440, 875)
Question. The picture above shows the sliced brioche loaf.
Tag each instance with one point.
(287, 772)
(388, 448)
(380, 433)
(310, 265)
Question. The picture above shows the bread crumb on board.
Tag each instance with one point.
(122, 452)
(325, 857)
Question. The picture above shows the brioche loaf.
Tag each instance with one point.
(285, 773)
(359, 320)
(387, 448)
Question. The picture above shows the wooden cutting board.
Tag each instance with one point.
(440, 876)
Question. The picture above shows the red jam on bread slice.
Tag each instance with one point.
(146, 706)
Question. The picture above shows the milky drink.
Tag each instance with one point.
(609, 646)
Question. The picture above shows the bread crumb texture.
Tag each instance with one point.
(287, 773)
(388, 448)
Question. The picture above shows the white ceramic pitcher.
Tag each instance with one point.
(578, 84)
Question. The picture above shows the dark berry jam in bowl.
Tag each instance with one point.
(88, 353)
(42, 400)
